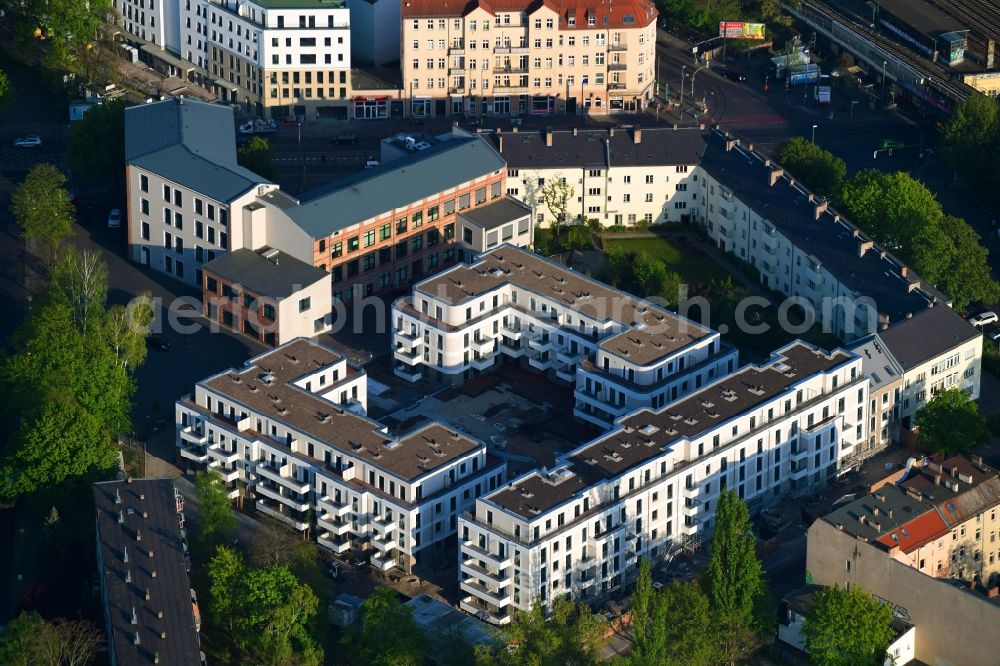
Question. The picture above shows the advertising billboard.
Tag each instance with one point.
(741, 30)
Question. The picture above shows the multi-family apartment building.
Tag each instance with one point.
(150, 613)
(885, 377)
(185, 190)
(617, 176)
(749, 206)
(650, 486)
(289, 431)
(275, 58)
(622, 353)
(940, 519)
(520, 57)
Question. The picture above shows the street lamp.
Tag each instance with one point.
(302, 162)
(853, 102)
(681, 105)
(694, 75)
(882, 96)
(814, 133)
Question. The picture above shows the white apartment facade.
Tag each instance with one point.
(152, 21)
(289, 431)
(621, 353)
(527, 58)
(618, 177)
(649, 487)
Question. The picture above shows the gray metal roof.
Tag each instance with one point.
(497, 213)
(877, 362)
(279, 275)
(927, 334)
(191, 143)
(354, 199)
(657, 146)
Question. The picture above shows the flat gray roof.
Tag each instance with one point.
(496, 214)
(397, 184)
(188, 142)
(927, 335)
(277, 274)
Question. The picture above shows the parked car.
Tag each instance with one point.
(371, 163)
(994, 335)
(29, 141)
(984, 318)
(115, 218)
(344, 138)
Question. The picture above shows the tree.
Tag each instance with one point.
(892, 207)
(226, 571)
(126, 328)
(67, 28)
(80, 280)
(556, 195)
(31, 641)
(951, 423)
(972, 128)
(256, 156)
(820, 169)
(42, 208)
(572, 635)
(648, 633)
(215, 511)
(96, 147)
(847, 627)
(735, 575)
(650, 274)
(966, 277)
(388, 635)
(672, 627)
(6, 92)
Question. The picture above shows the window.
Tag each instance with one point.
(145, 230)
(418, 219)
(352, 244)
(385, 231)
(369, 238)
(144, 183)
(336, 249)
(432, 213)
(304, 304)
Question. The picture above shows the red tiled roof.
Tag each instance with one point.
(910, 536)
(608, 13)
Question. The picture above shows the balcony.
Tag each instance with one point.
(484, 345)
(333, 507)
(456, 71)
(499, 561)
(510, 70)
(511, 89)
(408, 341)
(799, 471)
(384, 526)
(540, 343)
(617, 46)
(268, 472)
(194, 453)
(477, 608)
(510, 49)
(499, 597)
(566, 373)
(597, 400)
(616, 86)
(470, 568)
(328, 540)
(290, 502)
(798, 452)
(288, 519)
(333, 525)
(482, 363)
(383, 562)
(456, 50)
(538, 362)
(227, 475)
(219, 454)
(616, 67)
(512, 333)
(454, 90)
(384, 543)
(409, 374)
(408, 357)
(568, 357)
(193, 436)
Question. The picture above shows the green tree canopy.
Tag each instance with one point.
(892, 207)
(970, 140)
(847, 627)
(42, 208)
(6, 92)
(66, 28)
(951, 423)
(80, 281)
(215, 511)
(29, 640)
(388, 634)
(97, 143)
(256, 155)
(820, 169)
(572, 635)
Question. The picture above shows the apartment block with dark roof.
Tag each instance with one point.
(150, 611)
(290, 428)
(621, 352)
(649, 487)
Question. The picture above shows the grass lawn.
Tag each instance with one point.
(692, 266)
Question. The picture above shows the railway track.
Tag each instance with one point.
(934, 76)
(985, 15)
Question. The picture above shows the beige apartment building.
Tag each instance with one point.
(518, 57)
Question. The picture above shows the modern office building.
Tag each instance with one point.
(617, 176)
(289, 432)
(650, 486)
(185, 190)
(149, 609)
(527, 58)
(622, 353)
